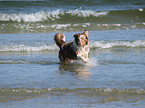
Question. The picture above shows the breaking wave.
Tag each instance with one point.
(53, 47)
(25, 48)
(14, 94)
(77, 15)
(111, 44)
(71, 20)
(43, 16)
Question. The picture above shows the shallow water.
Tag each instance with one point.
(113, 77)
(31, 74)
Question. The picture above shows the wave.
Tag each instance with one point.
(45, 28)
(53, 47)
(71, 20)
(43, 16)
(77, 15)
(14, 94)
(25, 48)
(97, 90)
(111, 44)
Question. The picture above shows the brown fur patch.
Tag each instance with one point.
(81, 39)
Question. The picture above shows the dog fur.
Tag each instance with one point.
(76, 50)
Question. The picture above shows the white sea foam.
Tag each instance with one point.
(32, 17)
(60, 26)
(110, 44)
(86, 13)
(93, 44)
(69, 26)
(46, 16)
(19, 48)
(140, 9)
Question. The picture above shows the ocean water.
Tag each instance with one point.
(31, 74)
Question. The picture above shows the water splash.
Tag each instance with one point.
(93, 62)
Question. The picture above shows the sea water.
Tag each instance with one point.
(31, 74)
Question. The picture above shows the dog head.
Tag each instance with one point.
(81, 39)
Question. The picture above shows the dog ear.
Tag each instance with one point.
(86, 33)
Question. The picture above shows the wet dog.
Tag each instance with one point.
(76, 50)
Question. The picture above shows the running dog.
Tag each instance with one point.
(76, 50)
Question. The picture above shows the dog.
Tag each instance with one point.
(76, 50)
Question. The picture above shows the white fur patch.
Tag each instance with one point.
(63, 38)
(83, 36)
(82, 51)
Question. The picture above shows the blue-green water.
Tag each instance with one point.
(31, 74)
